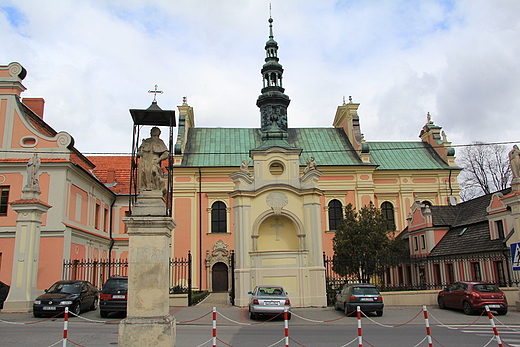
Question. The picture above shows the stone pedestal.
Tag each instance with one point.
(148, 321)
(24, 278)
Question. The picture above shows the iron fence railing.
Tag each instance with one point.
(98, 271)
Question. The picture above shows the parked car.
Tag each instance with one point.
(366, 296)
(473, 296)
(4, 291)
(76, 295)
(114, 296)
(268, 300)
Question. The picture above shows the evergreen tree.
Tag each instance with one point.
(363, 242)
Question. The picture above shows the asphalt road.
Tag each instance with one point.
(310, 327)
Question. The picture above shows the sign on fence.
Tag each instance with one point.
(515, 256)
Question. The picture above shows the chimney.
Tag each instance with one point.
(35, 104)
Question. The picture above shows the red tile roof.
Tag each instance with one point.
(113, 171)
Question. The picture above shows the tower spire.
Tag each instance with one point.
(272, 102)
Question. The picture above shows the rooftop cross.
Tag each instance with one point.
(155, 92)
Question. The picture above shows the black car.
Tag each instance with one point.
(76, 295)
(113, 296)
(366, 296)
(4, 291)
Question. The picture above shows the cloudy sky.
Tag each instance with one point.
(92, 61)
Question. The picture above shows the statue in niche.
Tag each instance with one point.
(311, 165)
(33, 166)
(514, 161)
(152, 152)
(244, 167)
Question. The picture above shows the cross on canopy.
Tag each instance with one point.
(155, 92)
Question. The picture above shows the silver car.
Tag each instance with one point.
(268, 300)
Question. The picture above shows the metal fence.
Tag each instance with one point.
(98, 271)
(421, 273)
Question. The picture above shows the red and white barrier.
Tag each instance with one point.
(427, 324)
(495, 330)
(286, 325)
(65, 326)
(214, 327)
(359, 330)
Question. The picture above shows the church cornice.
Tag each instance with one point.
(276, 187)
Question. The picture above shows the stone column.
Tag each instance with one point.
(24, 278)
(26, 253)
(148, 321)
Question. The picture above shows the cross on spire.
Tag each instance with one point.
(155, 92)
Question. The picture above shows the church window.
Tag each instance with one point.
(335, 214)
(276, 168)
(4, 200)
(218, 217)
(426, 203)
(388, 212)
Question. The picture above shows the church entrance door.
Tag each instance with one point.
(219, 277)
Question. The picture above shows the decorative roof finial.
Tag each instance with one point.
(184, 101)
(428, 118)
(344, 100)
(350, 99)
(155, 92)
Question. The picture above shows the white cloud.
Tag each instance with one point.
(92, 61)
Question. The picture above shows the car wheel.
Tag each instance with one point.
(467, 308)
(37, 314)
(346, 310)
(76, 309)
(501, 312)
(252, 315)
(94, 305)
(288, 316)
(441, 303)
(103, 314)
(379, 313)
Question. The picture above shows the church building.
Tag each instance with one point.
(271, 196)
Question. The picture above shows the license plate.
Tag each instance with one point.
(271, 303)
(366, 299)
(494, 306)
(49, 308)
(118, 296)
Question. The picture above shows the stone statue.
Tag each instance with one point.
(514, 161)
(311, 165)
(244, 167)
(33, 165)
(152, 152)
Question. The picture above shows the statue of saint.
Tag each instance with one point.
(244, 167)
(33, 165)
(152, 152)
(311, 164)
(514, 161)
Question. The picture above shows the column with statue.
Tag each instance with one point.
(148, 321)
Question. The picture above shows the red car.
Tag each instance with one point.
(473, 296)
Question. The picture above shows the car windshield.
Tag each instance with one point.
(487, 288)
(365, 291)
(269, 291)
(120, 284)
(68, 288)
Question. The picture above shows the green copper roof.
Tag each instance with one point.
(220, 147)
(405, 156)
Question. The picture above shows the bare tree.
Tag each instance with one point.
(486, 169)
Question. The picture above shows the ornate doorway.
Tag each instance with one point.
(219, 277)
(218, 264)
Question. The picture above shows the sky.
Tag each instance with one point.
(94, 60)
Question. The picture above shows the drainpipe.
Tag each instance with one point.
(110, 230)
(200, 229)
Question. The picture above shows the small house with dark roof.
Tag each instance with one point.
(468, 241)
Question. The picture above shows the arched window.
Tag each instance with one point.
(218, 217)
(388, 212)
(426, 203)
(335, 214)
